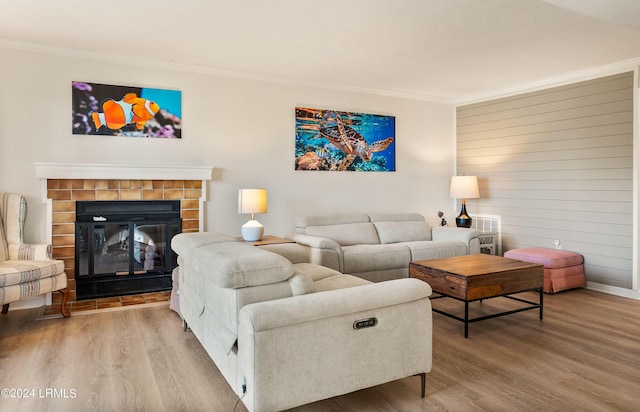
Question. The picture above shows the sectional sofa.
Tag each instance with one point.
(379, 247)
(286, 332)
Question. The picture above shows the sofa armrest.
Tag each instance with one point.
(468, 236)
(30, 251)
(322, 251)
(286, 346)
(314, 241)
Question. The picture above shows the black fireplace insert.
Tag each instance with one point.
(124, 247)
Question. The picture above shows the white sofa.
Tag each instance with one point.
(287, 332)
(379, 247)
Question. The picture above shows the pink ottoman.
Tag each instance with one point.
(562, 269)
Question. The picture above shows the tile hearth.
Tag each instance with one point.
(92, 305)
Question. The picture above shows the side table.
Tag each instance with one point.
(269, 240)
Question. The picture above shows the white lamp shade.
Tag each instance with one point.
(464, 187)
(252, 201)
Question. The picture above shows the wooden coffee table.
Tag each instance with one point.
(477, 277)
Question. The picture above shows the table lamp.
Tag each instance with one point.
(252, 201)
(464, 187)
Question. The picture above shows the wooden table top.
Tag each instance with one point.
(269, 240)
(475, 265)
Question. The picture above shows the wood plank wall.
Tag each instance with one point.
(558, 164)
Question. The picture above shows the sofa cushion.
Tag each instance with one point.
(184, 244)
(395, 232)
(344, 229)
(324, 278)
(300, 284)
(314, 272)
(347, 234)
(367, 258)
(15, 272)
(401, 227)
(37, 287)
(339, 281)
(429, 250)
(237, 265)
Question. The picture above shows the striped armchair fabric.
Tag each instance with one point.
(26, 270)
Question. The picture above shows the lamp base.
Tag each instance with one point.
(252, 231)
(463, 219)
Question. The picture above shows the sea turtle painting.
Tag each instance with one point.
(351, 142)
(332, 140)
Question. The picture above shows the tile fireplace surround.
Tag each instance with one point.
(63, 184)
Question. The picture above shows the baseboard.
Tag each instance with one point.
(614, 290)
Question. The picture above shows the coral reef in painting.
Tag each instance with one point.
(332, 140)
(121, 111)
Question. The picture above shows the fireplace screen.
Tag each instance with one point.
(124, 247)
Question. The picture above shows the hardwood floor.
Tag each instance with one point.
(584, 355)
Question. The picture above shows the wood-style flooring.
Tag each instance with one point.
(584, 356)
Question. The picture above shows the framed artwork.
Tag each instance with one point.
(344, 141)
(101, 109)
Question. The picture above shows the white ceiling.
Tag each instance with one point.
(442, 50)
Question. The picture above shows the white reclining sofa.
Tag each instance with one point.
(285, 332)
(379, 247)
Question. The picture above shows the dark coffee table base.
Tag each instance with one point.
(467, 321)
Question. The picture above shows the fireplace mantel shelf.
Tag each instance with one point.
(46, 170)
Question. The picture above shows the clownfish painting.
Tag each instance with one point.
(130, 110)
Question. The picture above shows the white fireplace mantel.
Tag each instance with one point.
(46, 170)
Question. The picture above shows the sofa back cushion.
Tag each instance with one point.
(347, 230)
(184, 244)
(401, 227)
(236, 265)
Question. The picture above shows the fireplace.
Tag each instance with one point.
(64, 184)
(124, 247)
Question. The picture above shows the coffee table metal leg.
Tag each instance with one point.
(541, 294)
(466, 319)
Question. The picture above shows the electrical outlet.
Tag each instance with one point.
(557, 244)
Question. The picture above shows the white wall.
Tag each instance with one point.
(243, 128)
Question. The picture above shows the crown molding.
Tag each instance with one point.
(563, 80)
(213, 71)
(90, 54)
(46, 170)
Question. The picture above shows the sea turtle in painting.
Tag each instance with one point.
(351, 142)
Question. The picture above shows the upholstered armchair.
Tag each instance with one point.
(26, 270)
